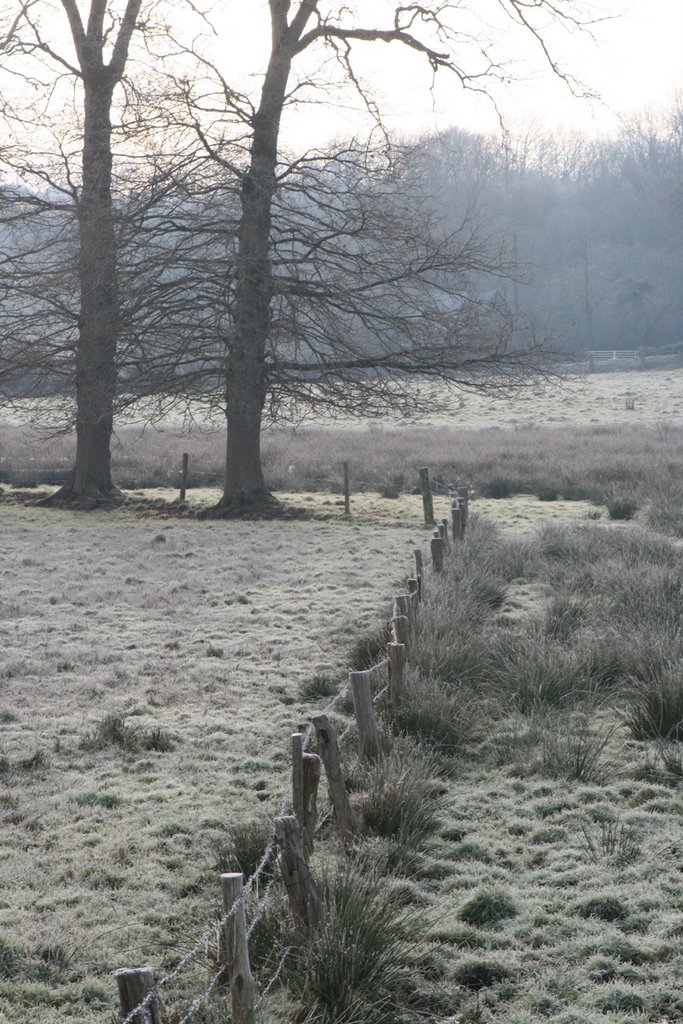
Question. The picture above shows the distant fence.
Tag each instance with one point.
(293, 834)
(638, 355)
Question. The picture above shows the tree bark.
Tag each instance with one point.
(99, 316)
(99, 320)
(246, 383)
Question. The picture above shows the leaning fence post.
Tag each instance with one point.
(134, 985)
(312, 771)
(427, 503)
(397, 662)
(298, 776)
(365, 715)
(436, 546)
(304, 898)
(183, 476)
(328, 746)
(235, 950)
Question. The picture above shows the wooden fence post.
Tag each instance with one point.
(347, 490)
(235, 950)
(401, 632)
(457, 514)
(365, 715)
(312, 771)
(329, 751)
(464, 503)
(403, 606)
(443, 530)
(414, 589)
(304, 898)
(298, 777)
(436, 546)
(427, 503)
(397, 662)
(183, 476)
(419, 571)
(134, 984)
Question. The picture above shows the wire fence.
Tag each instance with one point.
(145, 1009)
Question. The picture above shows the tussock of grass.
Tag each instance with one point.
(399, 795)
(655, 707)
(357, 970)
(488, 908)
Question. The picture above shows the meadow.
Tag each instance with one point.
(521, 851)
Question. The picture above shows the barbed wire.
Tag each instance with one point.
(276, 975)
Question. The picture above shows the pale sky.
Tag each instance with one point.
(634, 62)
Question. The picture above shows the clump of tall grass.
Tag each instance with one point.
(358, 968)
(446, 718)
(399, 794)
(573, 750)
(655, 706)
(242, 846)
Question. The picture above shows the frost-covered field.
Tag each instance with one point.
(151, 671)
(195, 635)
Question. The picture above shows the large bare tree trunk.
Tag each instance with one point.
(99, 320)
(245, 379)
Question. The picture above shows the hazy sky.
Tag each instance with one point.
(634, 61)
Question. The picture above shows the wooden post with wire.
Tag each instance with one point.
(304, 898)
(397, 663)
(234, 951)
(183, 476)
(298, 777)
(427, 502)
(134, 984)
(419, 570)
(464, 503)
(400, 628)
(403, 606)
(328, 745)
(311, 778)
(365, 715)
(436, 547)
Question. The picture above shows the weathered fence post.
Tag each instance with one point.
(419, 571)
(397, 663)
(183, 476)
(298, 777)
(347, 490)
(403, 606)
(457, 514)
(464, 504)
(235, 950)
(427, 503)
(304, 898)
(134, 985)
(443, 530)
(436, 546)
(365, 715)
(414, 589)
(312, 771)
(400, 628)
(328, 746)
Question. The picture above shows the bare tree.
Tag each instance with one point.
(100, 52)
(440, 34)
